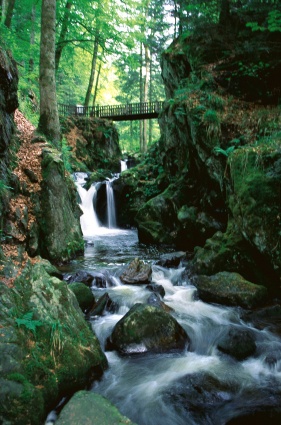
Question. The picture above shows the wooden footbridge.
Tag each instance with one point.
(128, 112)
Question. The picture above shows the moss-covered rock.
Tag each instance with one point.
(47, 349)
(230, 289)
(58, 212)
(83, 294)
(147, 328)
(88, 407)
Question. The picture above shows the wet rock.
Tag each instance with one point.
(268, 317)
(137, 272)
(155, 300)
(80, 276)
(204, 399)
(83, 295)
(230, 289)
(103, 304)
(238, 343)
(171, 260)
(102, 279)
(157, 289)
(147, 329)
(87, 407)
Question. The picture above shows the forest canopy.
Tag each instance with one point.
(108, 51)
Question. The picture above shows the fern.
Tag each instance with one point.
(27, 321)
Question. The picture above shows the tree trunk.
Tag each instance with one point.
(49, 117)
(145, 92)
(9, 14)
(150, 100)
(93, 70)
(96, 85)
(64, 28)
(32, 36)
(141, 98)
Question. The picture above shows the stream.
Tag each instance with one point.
(200, 385)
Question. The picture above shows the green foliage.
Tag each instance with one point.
(226, 152)
(273, 22)
(66, 155)
(212, 123)
(27, 321)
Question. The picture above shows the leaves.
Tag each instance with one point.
(27, 321)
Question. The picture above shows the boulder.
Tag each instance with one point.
(157, 289)
(83, 295)
(137, 272)
(230, 289)
(238, 343)
(58, 213)
(155, 300)
(47, 349)
(79, 276)
(171, 260)
(103, 304)
(145, 329)
(88, 408)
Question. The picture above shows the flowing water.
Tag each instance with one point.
(200, 385)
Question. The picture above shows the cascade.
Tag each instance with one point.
(89, 220)
(123, 165)
(111, 215)
(90, 224)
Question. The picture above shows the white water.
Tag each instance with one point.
(145, 387)
(111, 214)
(89, 221)
(123, 165)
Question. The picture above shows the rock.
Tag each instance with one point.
(268, 317)
(171, 260)
(230, 289)
(88, 408)
(157, 289)
(83, 295)
(147, 329)
(154, 300)
(58, 215)
(238, 343)
(103, 304)
(79, 276)
(47, 350)
(137, 272)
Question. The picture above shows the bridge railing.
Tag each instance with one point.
(111, 111)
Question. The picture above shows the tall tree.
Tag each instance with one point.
(62, 37)
(93, 70)
(9, 13)
(49, 118)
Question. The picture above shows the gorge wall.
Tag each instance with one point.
(215, 178)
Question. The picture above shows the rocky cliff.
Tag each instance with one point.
(219, 154)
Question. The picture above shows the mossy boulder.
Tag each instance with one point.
(83, 294)
(91, 408)
(230, 289)
(60, 236)
(146, 328)
(47, 348)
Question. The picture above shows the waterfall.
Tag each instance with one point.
(89, 220)
(123, 165)
(111, 215)
(90, 224)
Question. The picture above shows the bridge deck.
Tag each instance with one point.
(128, 112)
